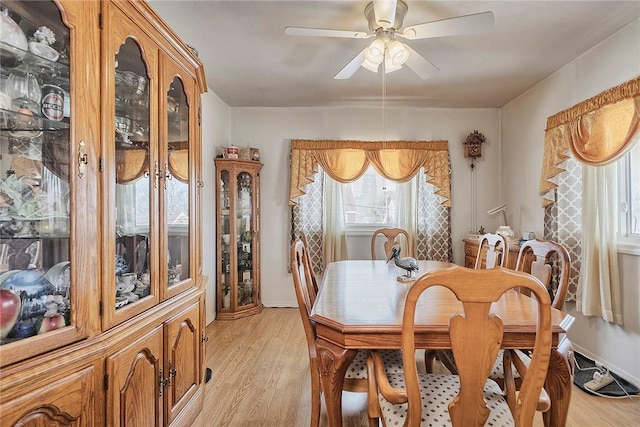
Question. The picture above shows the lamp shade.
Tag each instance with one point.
(371, 66)
(375, 52)
(389, 66)
(398, 53)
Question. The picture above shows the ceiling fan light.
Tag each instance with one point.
(398, 53)
(371, 66)
(375, 52)
(389, 67)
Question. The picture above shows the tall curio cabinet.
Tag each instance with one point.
(238, 231)
(101, 284)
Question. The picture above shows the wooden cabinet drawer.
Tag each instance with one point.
(67, 401)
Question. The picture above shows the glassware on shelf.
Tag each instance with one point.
(11, 33)
(24, 92)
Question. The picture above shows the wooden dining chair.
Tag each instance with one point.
(539, 258)
(493, 251)
(312, 274)
(470, 398)
(391, 235)
(536, 257)
(356, 379)
(496, 252)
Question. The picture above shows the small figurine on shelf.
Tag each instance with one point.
(226, 296)
(43, 38)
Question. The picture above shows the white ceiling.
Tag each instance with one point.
(250, 62)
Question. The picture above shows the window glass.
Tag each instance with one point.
(633, 220)
(371, 199)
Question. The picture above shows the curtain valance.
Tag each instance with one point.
(596, 131)
(346, 161)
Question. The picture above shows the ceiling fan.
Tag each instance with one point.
(385, 19)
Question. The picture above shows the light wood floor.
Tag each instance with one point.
(261, 379)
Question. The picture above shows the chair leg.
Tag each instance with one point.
(447, 360)
(559, 384)
(429, 357)
(373, 406)
(315, 397)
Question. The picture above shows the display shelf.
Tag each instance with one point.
(14, 121)
(238, 225)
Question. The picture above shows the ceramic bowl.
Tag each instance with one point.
(44, 51)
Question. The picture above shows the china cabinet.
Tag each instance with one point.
(101, 284)
(238, 231)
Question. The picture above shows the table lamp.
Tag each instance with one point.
(504, 230)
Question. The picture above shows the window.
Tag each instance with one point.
(630, 195)
(370, 200)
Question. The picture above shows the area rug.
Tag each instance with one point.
(585, 368)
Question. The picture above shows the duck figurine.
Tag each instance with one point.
(406, 263)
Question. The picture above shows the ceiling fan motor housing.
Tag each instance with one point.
(401, 11)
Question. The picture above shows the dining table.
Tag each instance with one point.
(360, 304)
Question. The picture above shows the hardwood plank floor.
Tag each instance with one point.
(261, 379)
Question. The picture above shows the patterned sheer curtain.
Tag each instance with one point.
(433, 225)
(307, 217)
(563, 220)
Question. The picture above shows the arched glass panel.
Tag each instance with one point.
(177, 183)
(133, 178)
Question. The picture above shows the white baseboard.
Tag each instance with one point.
(615, 369)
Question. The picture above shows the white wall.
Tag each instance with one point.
(215, 132)
(271, 129)
(614, 61)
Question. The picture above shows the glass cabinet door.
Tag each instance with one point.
(133, 182)
(244, 231)
(224, 261)
(130, 275)
(40, 279)
(177, 190)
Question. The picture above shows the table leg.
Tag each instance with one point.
(559, 384)
(333, 362)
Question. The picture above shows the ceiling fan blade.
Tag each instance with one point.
(325, 32)
(385, 12)
(351, 67)
(420, 65)
(468, 24)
